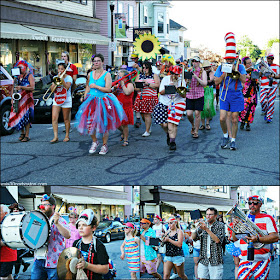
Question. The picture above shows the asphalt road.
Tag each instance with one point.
(146, 161)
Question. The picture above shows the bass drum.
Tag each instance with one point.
(25, 230)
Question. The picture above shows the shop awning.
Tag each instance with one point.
(6, 197)
(19, 31)
(77, 199)
(191, 206)
(67, 36)
(111, 201)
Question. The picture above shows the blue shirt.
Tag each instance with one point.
(232, 83)
(150, 253)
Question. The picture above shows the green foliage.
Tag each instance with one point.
(246, 47)
(271, 41)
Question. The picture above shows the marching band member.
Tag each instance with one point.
(125, 97)
(45, 263)
(17, 207)
(209, 96)
(7, 255)
(73, 217)
(23, 119)
(210, 265)
(174, 255)
(58, 104)
(96, 259)
(167, 61)
(268, 93)
(260, 267)
(147, 99)
(250, 96)
(231, 97)
(148, 256)
(101, 111)
(195, 97)
(169, 110)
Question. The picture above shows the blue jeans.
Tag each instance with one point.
(39, 271)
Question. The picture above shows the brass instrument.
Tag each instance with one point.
(57, 81)
(235, 75)
(131, 75)
(182, 90)
(243, 224)
(266, 70)
(16, 96)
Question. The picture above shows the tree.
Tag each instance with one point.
(247, 48)
(271, 41)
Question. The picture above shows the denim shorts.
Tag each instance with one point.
(178, 260)
(196, 252)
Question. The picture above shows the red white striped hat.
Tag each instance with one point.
(230, 46)
(270, 55)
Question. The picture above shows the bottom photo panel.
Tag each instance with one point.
(133, 232)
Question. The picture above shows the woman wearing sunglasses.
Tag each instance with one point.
(130, 249)
(174, 255)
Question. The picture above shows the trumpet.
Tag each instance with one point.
(182, 90)
(57, 81)
(196, 226)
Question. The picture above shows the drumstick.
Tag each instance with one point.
(63, 201)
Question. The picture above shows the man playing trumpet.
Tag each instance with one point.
(212, 234)
(259, 268)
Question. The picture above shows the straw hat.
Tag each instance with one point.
(206, 63)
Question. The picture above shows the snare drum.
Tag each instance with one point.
(25, 230)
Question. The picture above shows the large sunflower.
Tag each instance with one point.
(147, 46)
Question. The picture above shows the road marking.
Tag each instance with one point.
(62, 125)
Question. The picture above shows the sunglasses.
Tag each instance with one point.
(253, 202)
(143, 223)
(128, 227)
(46, 204)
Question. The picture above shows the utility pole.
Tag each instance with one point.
(112, 7)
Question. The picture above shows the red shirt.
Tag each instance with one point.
(7, 254)
(72, 70)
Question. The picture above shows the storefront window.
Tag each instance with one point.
(85, 53)
(73, 53)
(55, 50)
(33, 52)
(6, 54)
(105, 210)
(120, 211)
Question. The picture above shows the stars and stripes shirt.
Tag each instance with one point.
(147, 91)
(265, 81)
(267, 224)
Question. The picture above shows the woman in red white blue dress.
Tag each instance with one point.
(24, 116)
(147, 98)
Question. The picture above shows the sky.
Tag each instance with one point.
(273, 193)
(209, 21)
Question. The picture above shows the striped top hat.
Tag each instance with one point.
(230, 46)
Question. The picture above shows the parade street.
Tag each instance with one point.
(147, 160)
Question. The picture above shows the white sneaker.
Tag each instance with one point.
(150, 130)
(104, 150)
(146, 134)
(93, 147)
(174, 276)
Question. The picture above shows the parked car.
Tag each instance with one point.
(109, 230)
(43, 108)
(6, 88)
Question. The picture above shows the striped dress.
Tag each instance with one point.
(131, 249)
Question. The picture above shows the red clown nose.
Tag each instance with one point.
(42, 207)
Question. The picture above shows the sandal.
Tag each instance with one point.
(125, 143)
(208, 126)
(66, 139)
(192, 131)
(21, 137)
(195, 135)
(202, 127)
(25, 139)
(54, 141)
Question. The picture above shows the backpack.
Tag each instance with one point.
(112, 273)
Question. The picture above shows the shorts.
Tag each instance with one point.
(160, 114)
(209, 271)
(196, 252)
(66, 104)
(256, 269)
(195, 104)
(150, 266)
(177, 260)
(6, 268)
(234, 101)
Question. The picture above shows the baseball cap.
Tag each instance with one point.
(86, 216)
(270, 55)
(196, 58)
(256, 197)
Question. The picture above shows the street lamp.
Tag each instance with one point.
(112, 7)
